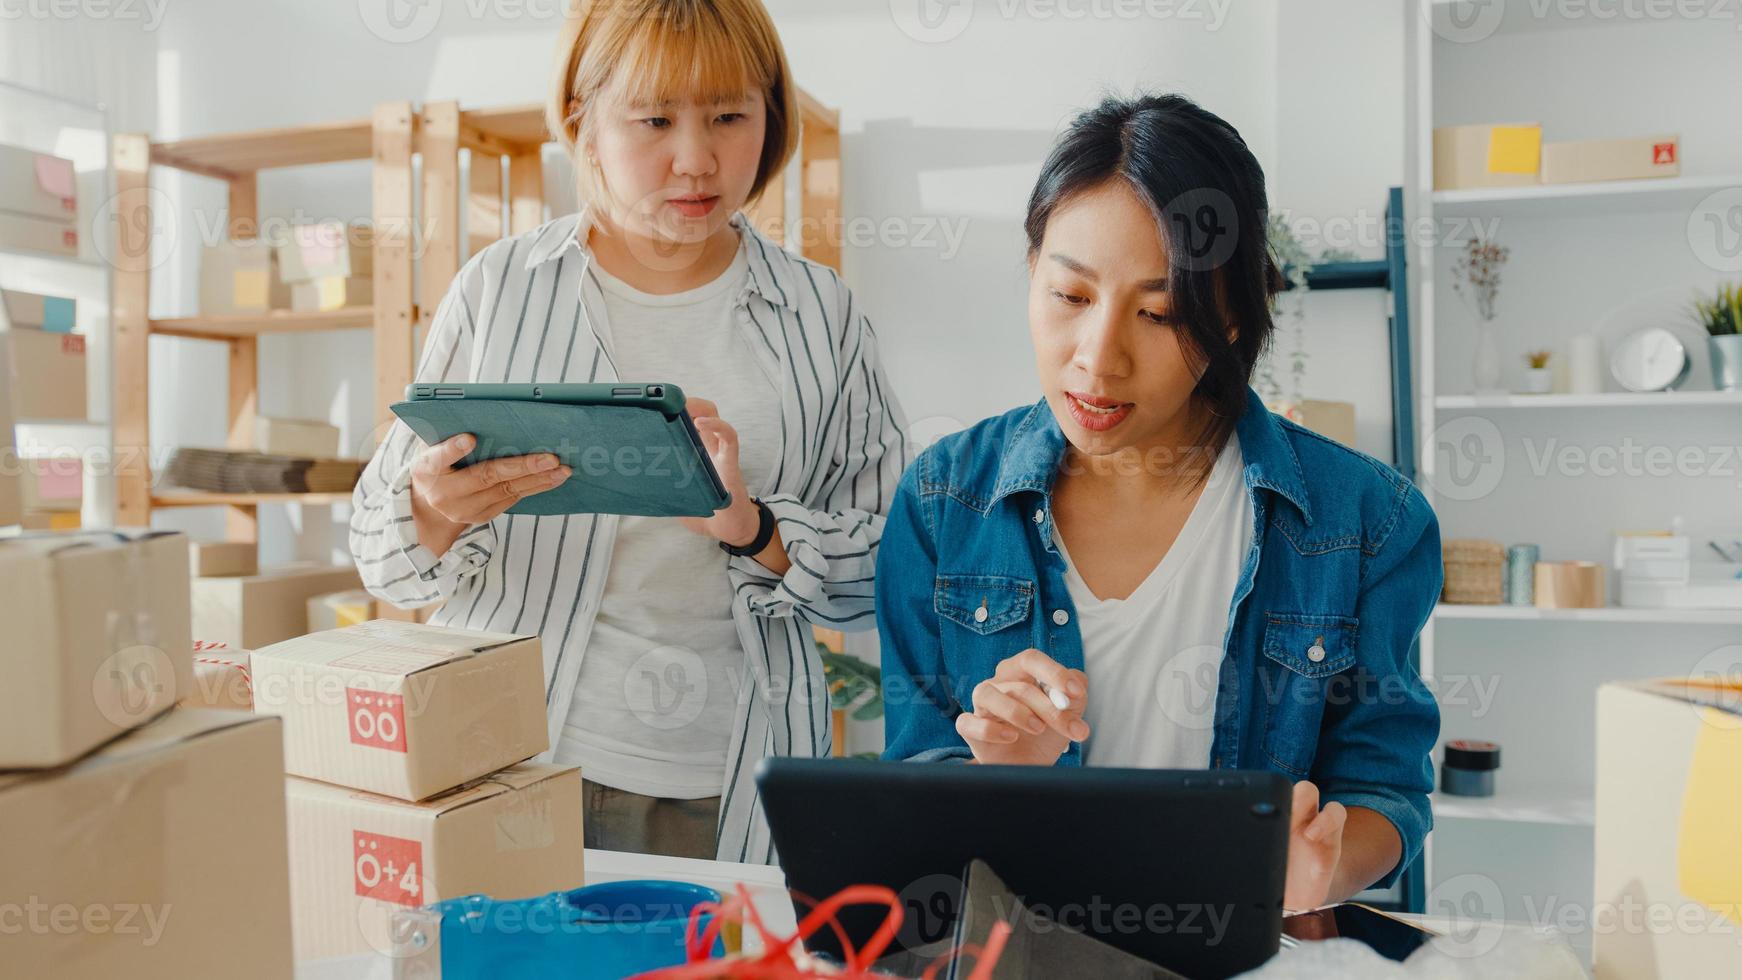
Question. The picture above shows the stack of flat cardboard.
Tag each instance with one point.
(404, 748)
(234, 471)
(108, 848)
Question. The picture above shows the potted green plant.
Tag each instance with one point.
(1538, 379)
(1722, 317)
(854, 686)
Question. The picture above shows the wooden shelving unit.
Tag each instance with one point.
(237, 159)
(504, 195)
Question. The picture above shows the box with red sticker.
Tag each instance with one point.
(407, 710)
(356, 858)
(1634, 158)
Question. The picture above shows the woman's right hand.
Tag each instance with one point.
(446, 501)
(1014, 722)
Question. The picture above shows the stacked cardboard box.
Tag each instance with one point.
(404, 745)
(47, 374)
(241, 276)
(108, 850)
(97, 639)
(11, 484)
(39, 206)
(309, 438)
(329, 266)
(248, 612)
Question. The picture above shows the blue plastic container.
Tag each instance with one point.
(601, 932)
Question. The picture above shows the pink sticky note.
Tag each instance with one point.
(59, 478)
(318, 245)
(55, 176)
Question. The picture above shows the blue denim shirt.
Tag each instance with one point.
(1345, 554)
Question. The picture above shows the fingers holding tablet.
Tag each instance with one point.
(480, 492)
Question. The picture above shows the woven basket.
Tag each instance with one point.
(1475, 571)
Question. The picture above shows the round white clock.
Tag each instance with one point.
(1653, 359)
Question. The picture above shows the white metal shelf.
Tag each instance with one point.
(1539, 806)
(1609, 614)
(1607, 399)
(1600, 197)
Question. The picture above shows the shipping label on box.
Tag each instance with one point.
(48, 375)
(1638, 158)
(404, 709)
(253, 611)
(357, 857)
(1668, 854)
(121, 844)
(98, 639)
(38, 184)
(55, 483)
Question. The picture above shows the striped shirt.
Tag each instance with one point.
(529, 308)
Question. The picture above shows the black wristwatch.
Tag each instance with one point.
(764, 534)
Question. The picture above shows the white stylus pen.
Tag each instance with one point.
(1058, 698)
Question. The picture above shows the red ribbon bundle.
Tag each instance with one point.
(776, 961)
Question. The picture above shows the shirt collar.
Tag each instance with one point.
(1034, 451)
(774, 271)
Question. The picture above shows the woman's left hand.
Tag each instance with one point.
(1315, 846)
(737, 523)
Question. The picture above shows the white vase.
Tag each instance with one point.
(1538, 381)
(1485, 372)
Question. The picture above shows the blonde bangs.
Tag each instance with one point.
(659, 52)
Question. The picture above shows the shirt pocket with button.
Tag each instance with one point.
(985, 619)
(1302, 654)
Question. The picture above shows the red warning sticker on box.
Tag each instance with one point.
(376, 718)
(389, 869)
(1662, 153)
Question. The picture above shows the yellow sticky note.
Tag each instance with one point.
(332, 290)
(1710, 849)
(248, 289)
(1514, 149)
(352, 613)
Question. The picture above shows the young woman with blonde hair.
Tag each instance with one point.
(677, 651)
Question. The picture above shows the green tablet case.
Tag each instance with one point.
(632, 448)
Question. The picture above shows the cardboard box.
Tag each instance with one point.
(1506, 155)
(1638, 158)
(38, 184)
(25, 233)
(50, 520)
(253, 611)
(165, 850)
(514, 835)
(403, 709)
(222, 678)
(34, 311)
(97, 639)
(296, 437)
(339, 609)
(1668, 855)
(329, 250)
(331, 293)
(11, 467)
(54, 484)
(241, 277)
(1333, 420)
(48, 374)
(217, 558)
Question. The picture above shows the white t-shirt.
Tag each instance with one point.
(652, 711)
(1154, 657)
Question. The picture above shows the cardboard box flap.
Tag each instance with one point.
(388, 648)
(1715, 692)
(170, 728)
(510, 780)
